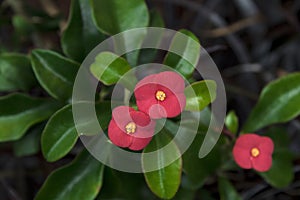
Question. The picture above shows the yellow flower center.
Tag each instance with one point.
(255, 152)
(130, 128)
(160, 95)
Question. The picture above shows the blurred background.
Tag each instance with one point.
(251, 41)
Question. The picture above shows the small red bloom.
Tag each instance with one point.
(130, 128)
(253, 151)
(161, 95)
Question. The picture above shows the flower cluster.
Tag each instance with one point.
(157, 96)
(253, 151)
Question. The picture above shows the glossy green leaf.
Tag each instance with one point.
(16, 72)
(198, 169)
(81, 179)
(281, 173)
(115, 16)
(80, 35)
(18, 112)
(187, 45)
(200, 94)
(30, 143)
(227, 190)
(163, 182)
(55, 73)
(278, 102)
(109, 68)
(60, 134)
(232, 122)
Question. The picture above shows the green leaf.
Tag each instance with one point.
(198, 169)
(281, 173)
(278, 102)
(115, 16)
(30, 143)
(163, 182)
(18, 112)
(232, 122)
(109, 68)
(80, 35)
(200, 94)
(187, 44)
(227, 191)
(81, 179)
(55, 73)
(15, 72)
(60, 134)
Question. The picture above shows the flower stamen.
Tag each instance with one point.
(255, 152)
(130, 128)
(160, 95)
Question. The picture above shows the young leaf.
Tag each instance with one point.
(115, 16)
(60, 134)
(109, 68)
(80, 35)
(278, 102)
(187, 44)
(30, 143)
(281, 173)
(81, 179)
(15, 72)
(163, 182)
(55, 73)
(227, 191)
(200, 94)
(18, 112)
(232, 122)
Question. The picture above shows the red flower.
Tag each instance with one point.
(161, 95)
(253, 151)
(130, 128)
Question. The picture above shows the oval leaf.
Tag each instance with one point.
(109, 68)
(278, 102)
(18, 112)
(200, 94)
(81, 179)
(16, 72)
(60, 134)
(115, 16)
(30, 143)
(80, 35)
(165, 181)
(186, 44)
(55, 73)
(281, 173)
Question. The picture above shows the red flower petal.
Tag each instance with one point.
(262, 163)
(266, 145)
(174, 104)
(118, 136)
(139, 143)
(140, 118)
(242, 157)
(121, 115)
(171, 80)
(248, 141)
